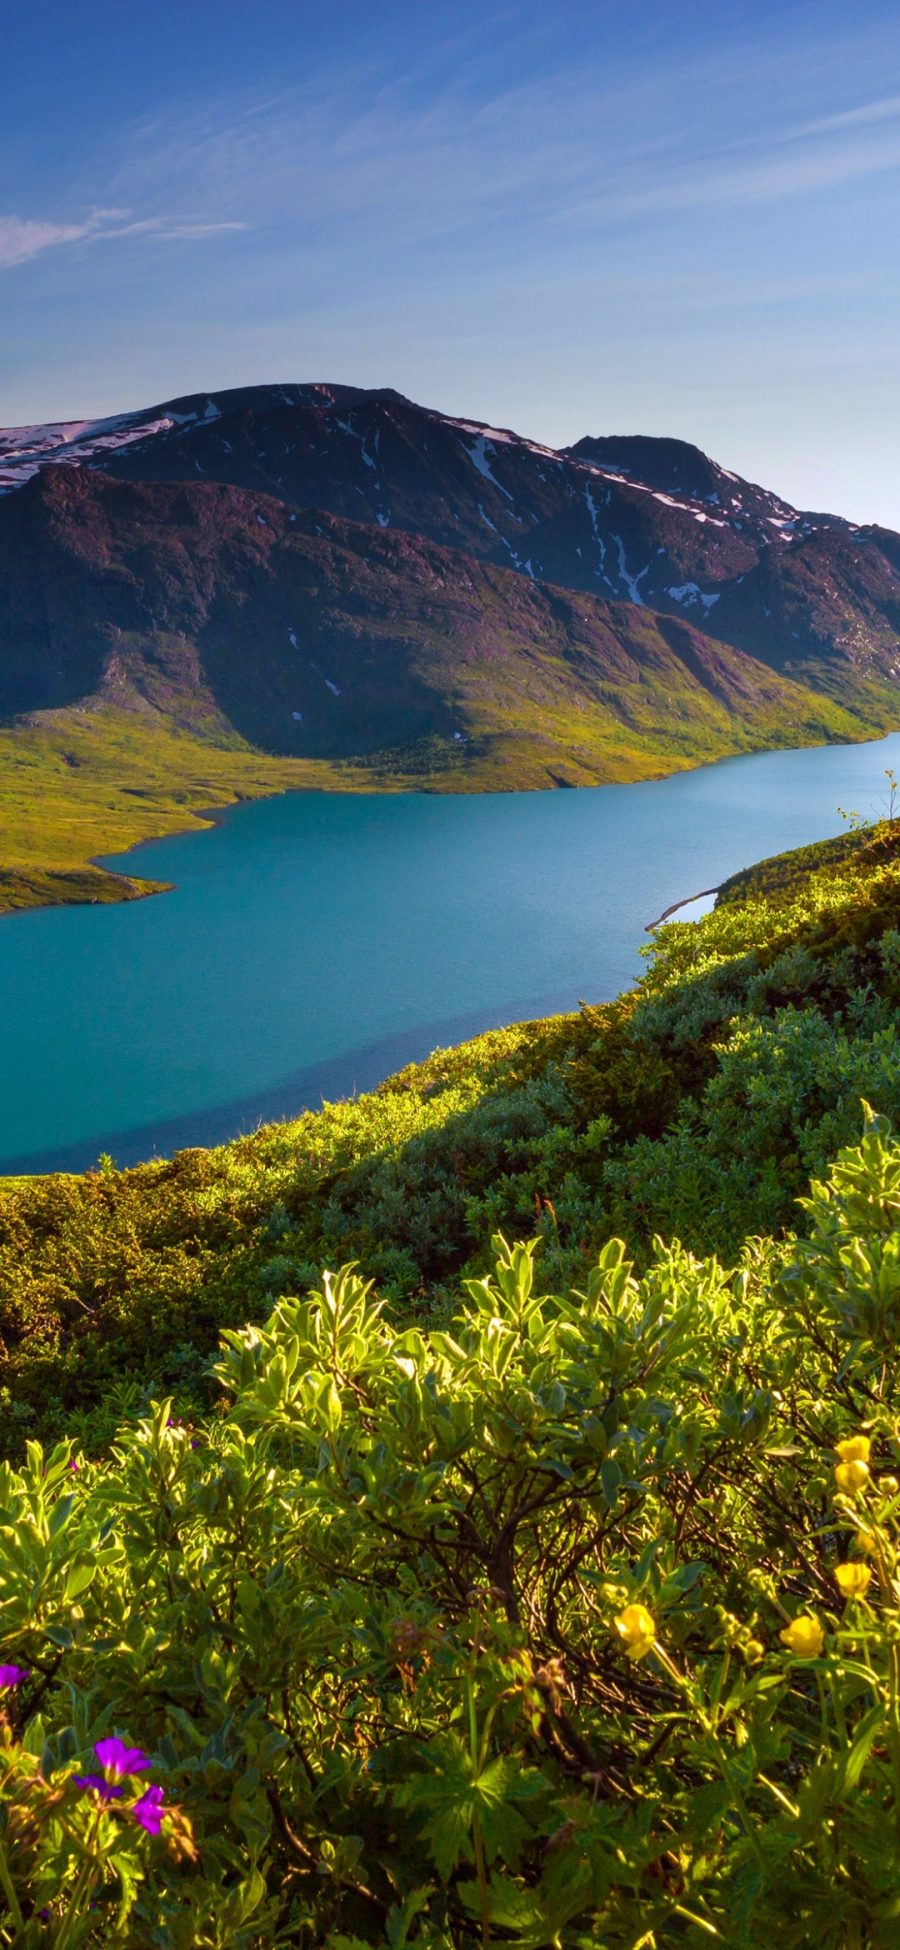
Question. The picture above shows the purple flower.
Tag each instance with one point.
(107, 1790)
(117, 1760)
(12, 1676)
(149, 1810)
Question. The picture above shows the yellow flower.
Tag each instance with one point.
(856, 1448)
(852, 1466)
(804, 1637)
(865, 1542)
(888, 1485)
(853, 1580)
(636, 1629)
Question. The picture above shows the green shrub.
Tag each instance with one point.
(572, 1622)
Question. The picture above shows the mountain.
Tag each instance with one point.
(341, 576)
(650, 522)
(148, 595)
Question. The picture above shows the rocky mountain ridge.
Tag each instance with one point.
(338, 576)
(654, 523)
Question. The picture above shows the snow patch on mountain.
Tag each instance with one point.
(592, 511)
(690, 593)
(630, 581)
(478, 455)
(500, 436)
(24, 450)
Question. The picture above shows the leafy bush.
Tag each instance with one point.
(573, 1622)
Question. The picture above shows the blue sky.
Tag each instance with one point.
(654, 216)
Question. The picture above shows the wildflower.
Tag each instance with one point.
(854, 1448)
(804, 1637)
(148, 1811)
(12, 1676)
(637, 1630)
(117, 1760)
(865, 1542)
(888, 1485)
(97, 1784)
(852, 1466)
(853, 1580)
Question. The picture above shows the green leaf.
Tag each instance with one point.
(80, 1576)
(453, 1795)
(400, 1921)
(611, 1479)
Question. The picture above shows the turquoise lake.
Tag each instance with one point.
(316, 942)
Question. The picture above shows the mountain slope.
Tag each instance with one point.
(375, 594)
(653, 522)
(363, 641)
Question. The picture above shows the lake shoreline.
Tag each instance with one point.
(213, 816)
(330, 781)
(319, 940)
(336, 1079)
(688, 901)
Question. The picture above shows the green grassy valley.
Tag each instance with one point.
(97, 778)
(382, 1582)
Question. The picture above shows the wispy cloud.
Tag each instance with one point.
(775, 177)
(884, 110)
(22, 238)
(354, 160)
(25, 237)
(360, 164)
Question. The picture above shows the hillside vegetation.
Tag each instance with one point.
(697, 1105)
(487, 1594)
